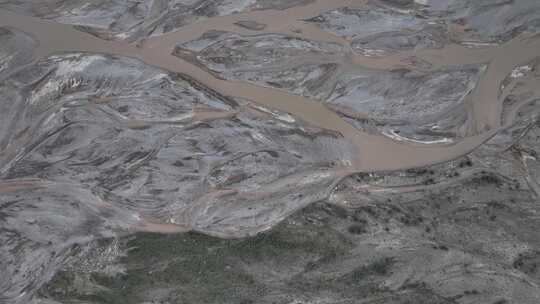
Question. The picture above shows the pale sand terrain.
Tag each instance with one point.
(259, 151)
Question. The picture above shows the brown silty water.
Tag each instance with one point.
(375, 152)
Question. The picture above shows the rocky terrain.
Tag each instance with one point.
(257, 151)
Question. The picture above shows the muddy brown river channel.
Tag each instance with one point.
(375, 152)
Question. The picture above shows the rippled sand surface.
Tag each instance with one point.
(254, 151)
